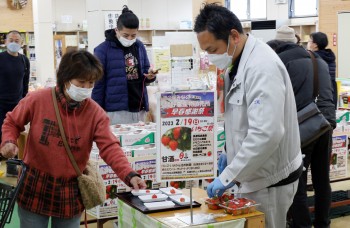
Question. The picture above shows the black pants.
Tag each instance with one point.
(317, 155)
(4, 108)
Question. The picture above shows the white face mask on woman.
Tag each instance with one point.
(125, 42)
(77, 93)
(222, 61)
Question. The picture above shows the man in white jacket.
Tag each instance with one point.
(263, 153)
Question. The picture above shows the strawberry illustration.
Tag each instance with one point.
(173, 145)
(165, 140)
(176, 132)
(209, 153)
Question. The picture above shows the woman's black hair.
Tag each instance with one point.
(127, 19)
(78, 65)
(320, 39)
(217, 20)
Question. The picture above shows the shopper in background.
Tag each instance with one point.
(317, 155)
(318, 43)
(50, 186)
(262, 135)
(14, 79)
(122, 91)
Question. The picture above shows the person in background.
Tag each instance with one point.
(298, 39)
(317, 155)
(122, 91)
(318, 43)
(50, 186)
(263, 155)
(14, 80)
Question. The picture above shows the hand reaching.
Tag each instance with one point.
(216, 188)
(9, 150)
(138, 183)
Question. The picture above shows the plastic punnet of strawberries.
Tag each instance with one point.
(239, 206)
(214, 202)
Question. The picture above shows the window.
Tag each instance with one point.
(303, 8)
(248, 9)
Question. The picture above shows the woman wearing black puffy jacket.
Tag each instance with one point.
(318, 43)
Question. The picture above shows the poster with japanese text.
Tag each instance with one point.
(186, 135)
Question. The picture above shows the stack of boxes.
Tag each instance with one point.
(137, 141)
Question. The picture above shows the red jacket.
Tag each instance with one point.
(45, 153)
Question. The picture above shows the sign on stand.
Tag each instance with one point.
(186, 137)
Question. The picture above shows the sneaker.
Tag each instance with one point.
(11, 170)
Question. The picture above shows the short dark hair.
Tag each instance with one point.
(78, 65)
(13, 32)
(320, 39)
(217, 20)
(127, 19)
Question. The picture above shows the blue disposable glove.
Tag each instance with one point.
(222, 163)
(216, 188)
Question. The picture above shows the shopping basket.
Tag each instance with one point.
(8, 194)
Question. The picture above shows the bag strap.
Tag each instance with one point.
(315, 66)
(64, 139)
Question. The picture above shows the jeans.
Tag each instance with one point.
(317, 155)
(29, 220)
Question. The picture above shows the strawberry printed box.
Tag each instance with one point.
(137, 137)
(147, 150)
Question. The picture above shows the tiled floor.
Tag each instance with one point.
(341, 222)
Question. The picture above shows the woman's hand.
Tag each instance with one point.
(138, 183)
(9, 150)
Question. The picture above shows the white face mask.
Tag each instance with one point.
(13, 47)
(78, 94)
(222, 61)
(125, 42)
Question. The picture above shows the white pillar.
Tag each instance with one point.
(44, 53)
(96, 16)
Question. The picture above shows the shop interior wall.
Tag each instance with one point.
(76, 9)
(328, 18)
(21, 19)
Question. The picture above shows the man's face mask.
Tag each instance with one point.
(222, 61)
(13, 47)
(125, 42)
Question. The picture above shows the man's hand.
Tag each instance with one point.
(151, 74)
(216, 188)
(222, 163)
(138, 183)
(9, 150)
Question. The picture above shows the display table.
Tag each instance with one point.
(131, 217)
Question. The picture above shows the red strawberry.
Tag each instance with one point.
(148, 191)
(165, 140)
(173, 145)
(176, 132)
(154, 196)
(172, 183)
(172, 191)
(182, 199)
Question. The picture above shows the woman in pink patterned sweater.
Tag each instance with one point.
(50, 186)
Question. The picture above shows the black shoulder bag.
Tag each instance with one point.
(312, 123)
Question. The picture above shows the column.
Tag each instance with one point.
(42, 18)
